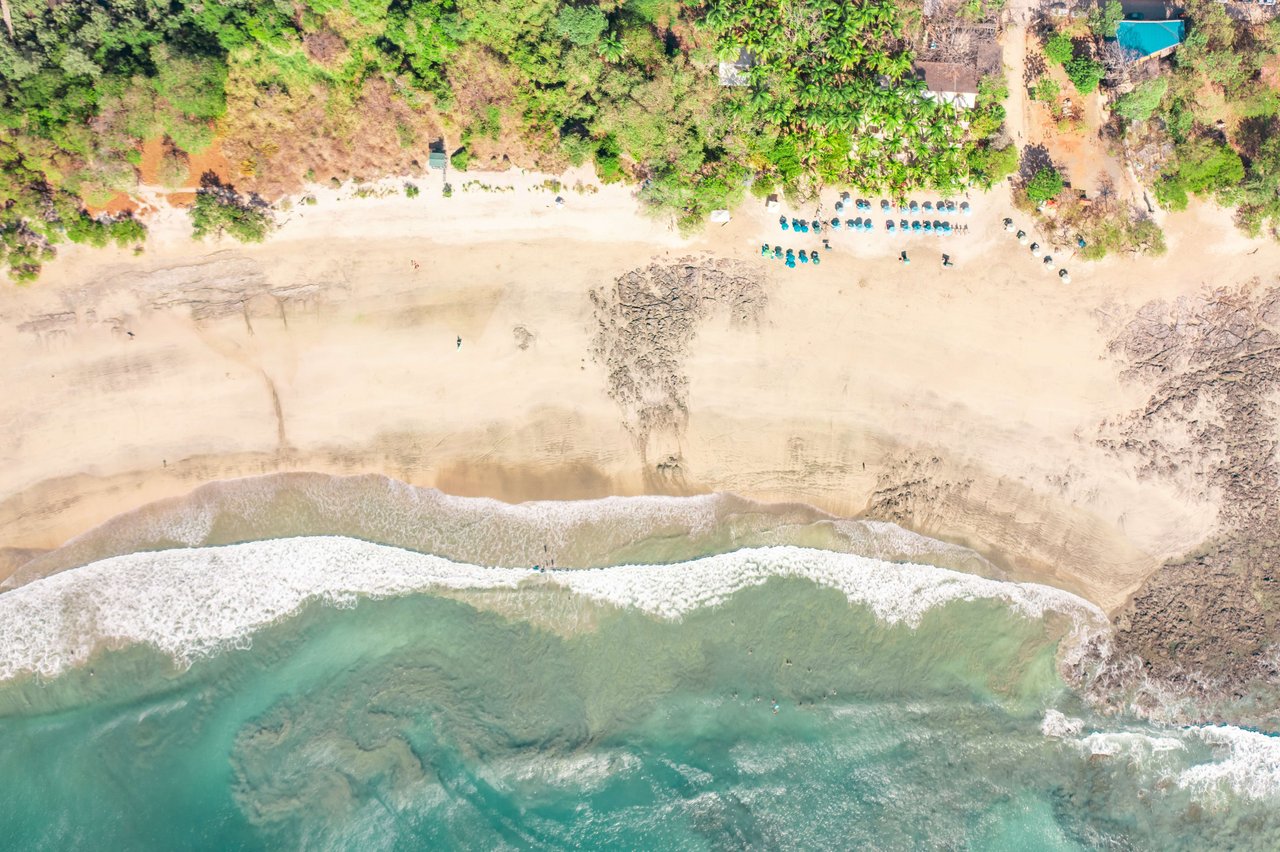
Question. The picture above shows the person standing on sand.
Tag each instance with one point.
(459, 341)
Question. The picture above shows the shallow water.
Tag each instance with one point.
(776, 698)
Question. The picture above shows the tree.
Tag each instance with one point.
(1059, 49)
(219, 210)
(1047, 90)
(1141, 103)
(1044, 185)
(1105, 18)
(1085, 74)
(582, 25)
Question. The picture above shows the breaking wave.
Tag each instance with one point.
(190, 603)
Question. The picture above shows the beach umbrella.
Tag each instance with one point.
(804, 257)
(839, 206)
(915, 226)
(782, 220)
(1066, 279)
(965, 208)
(902, 223)
(791, 262)
(849, 224)
(951, 207)
(817, 226)
(1035, 249)
(869, 225)
(884, 205)
(777, 252)
(1048, 262)
(927, 206)
(814, 258)
(927, 227)
(1022, 238)
(915, 208)
(1080, 243)
(1008, 224)
(835, 224)
(902, 210)
(889, 226)
(764, 249)
(946, 227)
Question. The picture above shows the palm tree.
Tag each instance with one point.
(611, 48)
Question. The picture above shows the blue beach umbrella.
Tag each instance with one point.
(839, 206)
(814, 258)
(884, 205)
(848, 223)
(835, 224)
(927, 227)
(965, 208)
(889, 226)
(777, 252)
(764, 250)
(913, 207)
(915, 226)
(869, 225)
(927, 206)
(791, 262)
(804, 257)
(817, 226)
(783, 222)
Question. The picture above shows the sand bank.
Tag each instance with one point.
(966, 403)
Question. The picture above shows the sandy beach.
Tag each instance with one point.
(966, 403)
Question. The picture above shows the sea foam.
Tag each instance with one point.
(189, 603)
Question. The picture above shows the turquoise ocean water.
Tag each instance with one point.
(328, 693)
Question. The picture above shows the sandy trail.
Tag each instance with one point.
(966, 403)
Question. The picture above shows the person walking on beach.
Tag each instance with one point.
(459, 341)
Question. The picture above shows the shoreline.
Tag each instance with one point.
(963, 404)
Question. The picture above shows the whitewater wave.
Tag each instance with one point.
(482, 531)
(190, 603)
(1250, 768)
(1241, 764)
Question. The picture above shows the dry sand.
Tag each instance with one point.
(966, 403)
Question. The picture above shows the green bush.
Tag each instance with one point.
(608, 164)
(1046, 90)
(1171, 193)
(411, 190)
(460, 159)
(1059, 49)
(1085, 74)
(1141, 103)
(1044, 185)
(1105, 18)
(582, 25)
(220, 210)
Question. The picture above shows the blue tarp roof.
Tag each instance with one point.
(1148, 37)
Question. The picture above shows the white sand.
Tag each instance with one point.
(979, 387)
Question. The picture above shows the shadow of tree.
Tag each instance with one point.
(1034, 158)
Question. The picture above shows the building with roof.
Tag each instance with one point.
(949, 82)
(1151, 38)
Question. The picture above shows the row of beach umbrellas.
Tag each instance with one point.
(788, 256)
(1036, 249)
(915, 226)
(912, 208)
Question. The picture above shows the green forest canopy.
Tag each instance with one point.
(629, 83)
